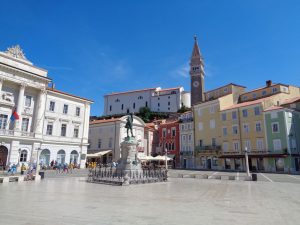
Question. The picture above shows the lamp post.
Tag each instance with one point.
(247, 162)
(166, 158)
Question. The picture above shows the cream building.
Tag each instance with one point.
(105, 137)
(52, 123)
(156, 99)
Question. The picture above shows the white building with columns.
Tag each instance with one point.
(51, 124)
(156, 99)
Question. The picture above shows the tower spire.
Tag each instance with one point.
(197, 75)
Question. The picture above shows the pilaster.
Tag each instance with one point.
(40, 110)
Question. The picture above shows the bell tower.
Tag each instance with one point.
(197, 75)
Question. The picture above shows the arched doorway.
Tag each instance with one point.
(3, 156)
(45, 157)
(74, 157)
(61, 156)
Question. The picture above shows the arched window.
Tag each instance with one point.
(74, 157)
(61, 156)
(23, 156)
(146, 104)
(170, 146)
(134, 105)
(122, 107)
(45, 157)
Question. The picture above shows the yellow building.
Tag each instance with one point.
(243, 128)
(208, 136)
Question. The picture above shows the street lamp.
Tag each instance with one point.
(247, 162)
(166, 158)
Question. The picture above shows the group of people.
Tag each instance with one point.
(63, 167)
(93, 165)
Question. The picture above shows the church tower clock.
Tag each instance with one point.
(197, 75)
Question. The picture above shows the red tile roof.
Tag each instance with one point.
(104, 121)
(244, 104)
(126, 92)
(291, 100)
(275, 107)
(65, 93)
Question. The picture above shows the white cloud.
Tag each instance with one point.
(183, 70)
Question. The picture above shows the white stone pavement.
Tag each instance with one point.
(179, 201)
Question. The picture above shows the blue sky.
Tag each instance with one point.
(92, 48)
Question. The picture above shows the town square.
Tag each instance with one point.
(149, 112)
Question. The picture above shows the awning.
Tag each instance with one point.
(98, 154)
(146, 157)
(162, 158)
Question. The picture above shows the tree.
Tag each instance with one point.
(145, 114)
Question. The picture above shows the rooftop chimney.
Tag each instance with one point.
(268, 83)
(53, 86)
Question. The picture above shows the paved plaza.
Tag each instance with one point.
(178, 201)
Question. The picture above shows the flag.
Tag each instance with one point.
(14, 116)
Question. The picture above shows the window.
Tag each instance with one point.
(134, 105)
(225, 90)
(77, 111)
(224, 131)
(200, 126)
(260, 144)
(52, 106)
(140, 97)
(224, 116)
(256, 111)
(258, 126)
(117, 100)
(212, 109)
(182, 126)
(168, 103)
(76, 132)
(25, 123)
(200, 143)
(245, 112)
(274, 115)
(213, 142)
(212, 124)
(110, 143)
(254, 95)
(277, 144)
(3, 121)
(248, 145)
(225, 146)
(173, 92)
(110, 108)
(65, 111)
(23, 156)
(236, 146)
(245, 97)
(246, 128)
(168, 97)
(28, 101)
(158, 104)
(122, 107)
(274, 89)
(234, 115)
(183, 138)
(190, 137)
(173, 131)
(99, 143)
(168, 108)
(264, 93)
(49, 129)
(199, 112)
(275, 127)
(146, 104)
(173, 146)
(234, 129)
(63, 130)
(164, 132)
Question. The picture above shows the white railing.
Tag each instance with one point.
(4, 132)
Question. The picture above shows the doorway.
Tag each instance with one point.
(3, 156)
(208, 163)
(297, 164)
(184, 163)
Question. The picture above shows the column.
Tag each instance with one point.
(1, 83)
(39, 115)
(20, 107)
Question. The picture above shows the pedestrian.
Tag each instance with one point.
(23, 169)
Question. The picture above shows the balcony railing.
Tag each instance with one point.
(208, 147)
(4, 132)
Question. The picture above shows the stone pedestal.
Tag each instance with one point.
(129, 163)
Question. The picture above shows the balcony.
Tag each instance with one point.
(13, 133)
(208, 149)
(187, 153)
(28, 111)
